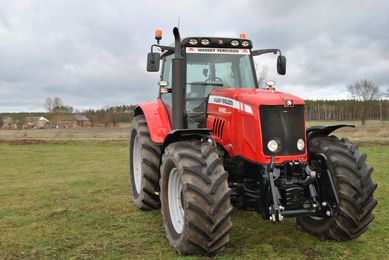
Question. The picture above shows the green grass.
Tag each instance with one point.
(71, 200)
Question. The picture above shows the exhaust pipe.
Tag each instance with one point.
(178, 90)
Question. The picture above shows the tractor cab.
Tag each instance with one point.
(208, 64)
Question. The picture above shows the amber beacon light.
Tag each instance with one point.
(158, 35)
(243, 36)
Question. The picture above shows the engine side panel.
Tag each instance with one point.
(234, 117)
(157, 120)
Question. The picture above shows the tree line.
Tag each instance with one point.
(343, 110)
(107, 116)
(110, 116)
(367, 103)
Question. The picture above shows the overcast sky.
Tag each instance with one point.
(92, 53)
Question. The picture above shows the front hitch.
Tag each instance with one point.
(276, 208)
(318, 206)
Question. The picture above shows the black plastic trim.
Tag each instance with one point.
(324, 130)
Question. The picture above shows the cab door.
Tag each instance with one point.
(165, 93)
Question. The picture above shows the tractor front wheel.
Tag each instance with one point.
(354, 186)
(195, 198)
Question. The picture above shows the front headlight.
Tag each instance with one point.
(300, 144)
(273, 146)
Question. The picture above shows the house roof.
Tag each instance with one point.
(73, 118)
(32, 119)
(82, 118)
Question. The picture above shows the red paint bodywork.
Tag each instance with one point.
(241, 131)
(157, 120)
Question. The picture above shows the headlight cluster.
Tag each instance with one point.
(275, 145)
(205, 42)
(236, 43)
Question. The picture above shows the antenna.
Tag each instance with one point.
(178, 23)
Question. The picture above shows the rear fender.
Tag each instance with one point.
(186, 134)
(157, 119)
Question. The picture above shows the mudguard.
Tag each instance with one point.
(157, 119)
(185, 134)
(324, 130)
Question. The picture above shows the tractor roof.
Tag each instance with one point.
(216, 42)
(212, 42)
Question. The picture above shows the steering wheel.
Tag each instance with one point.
(217, 79)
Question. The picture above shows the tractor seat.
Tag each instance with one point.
(196, 100)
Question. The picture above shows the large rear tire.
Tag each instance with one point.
(352, 180)
(195, 198)
(144, 166)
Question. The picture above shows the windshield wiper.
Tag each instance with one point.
(206, 84)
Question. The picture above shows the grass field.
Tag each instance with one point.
(70, 199)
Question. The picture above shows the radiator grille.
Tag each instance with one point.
(286, 124)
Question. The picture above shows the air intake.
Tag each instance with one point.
(218, 126)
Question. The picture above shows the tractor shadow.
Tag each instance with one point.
(252, 236)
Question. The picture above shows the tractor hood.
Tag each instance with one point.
(257, 97)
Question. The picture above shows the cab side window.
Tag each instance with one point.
(167, 76)
(167, 71)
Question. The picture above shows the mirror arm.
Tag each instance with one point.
(264, 51)
(163, 48)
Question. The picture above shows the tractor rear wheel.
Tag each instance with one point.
(144, 166)
(352, 180)
(195, 198)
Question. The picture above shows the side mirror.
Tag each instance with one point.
(281, 65)
(153, 61)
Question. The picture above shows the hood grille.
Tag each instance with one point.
(284, 124)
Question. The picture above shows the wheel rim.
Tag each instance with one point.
(137, 164)
(175, 203)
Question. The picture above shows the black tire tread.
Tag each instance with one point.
(206, 198)
(355, 188)
(147, 199)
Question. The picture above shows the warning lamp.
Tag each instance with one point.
(243, 36)
(158, 35)
(220, 42)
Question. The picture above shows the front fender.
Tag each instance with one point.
(157, 119)
(323, 130)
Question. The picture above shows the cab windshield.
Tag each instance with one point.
(232, 70)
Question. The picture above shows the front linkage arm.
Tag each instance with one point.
(276, 208)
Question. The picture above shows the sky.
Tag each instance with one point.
(92, 53)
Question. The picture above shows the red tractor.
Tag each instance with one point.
(214, 140)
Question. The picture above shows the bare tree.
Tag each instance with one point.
(48, 104)
(262, 77)
(57, 102)
(51, 104)
(364, 91)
